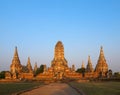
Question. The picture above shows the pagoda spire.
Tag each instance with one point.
(101, 66)
(16, 52)
(59, 58)
(16, 59)
(59, 51)
(89, 60)
(73, 67)
(16, 66)
(83, 65)
(89, 67)
(29, 65)
(101, 56)
(35, 67)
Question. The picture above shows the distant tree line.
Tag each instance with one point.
(117, 74)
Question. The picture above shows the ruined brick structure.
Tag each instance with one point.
(59, 68)
(18, 71)
(101, 66)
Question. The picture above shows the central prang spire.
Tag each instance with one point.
(59, 63)
(59, 51)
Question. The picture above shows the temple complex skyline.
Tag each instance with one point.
(87, 65)
(83, 27)
(59, 68)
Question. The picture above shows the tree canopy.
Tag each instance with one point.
(39, 70)
(2, 74)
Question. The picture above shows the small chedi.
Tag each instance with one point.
(89, 67)
(59, 68)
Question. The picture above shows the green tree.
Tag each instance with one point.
(2, 75)
(117, 74)
(40, 70)
(81, 70)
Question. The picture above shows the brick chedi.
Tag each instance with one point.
(59, 67)
(16, 66)
(35, 67)
(18, 71)
(29, 66)
(73, 68)
(101, 66)
(59, 63)
(89, 67)
(83, 65)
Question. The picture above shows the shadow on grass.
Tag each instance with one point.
(10, 88)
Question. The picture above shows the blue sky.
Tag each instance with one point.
(35, 26)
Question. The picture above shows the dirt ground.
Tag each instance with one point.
(53, 89)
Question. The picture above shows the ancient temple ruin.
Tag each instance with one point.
(101, 66)
(59, 68)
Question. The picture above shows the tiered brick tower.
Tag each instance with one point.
(83, 65)
(35, 67)
(59, 63)
(29, 65)
(89, 67)
(101, 66)
(16, 66)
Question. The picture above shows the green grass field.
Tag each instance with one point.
(10, 88)
(100, 88)
(89, 88)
